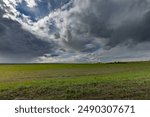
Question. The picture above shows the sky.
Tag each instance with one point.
(74, 31)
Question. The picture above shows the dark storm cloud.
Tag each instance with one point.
(132, 32)
(113, 21)
(16, 42)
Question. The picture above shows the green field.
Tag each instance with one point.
(75, 81)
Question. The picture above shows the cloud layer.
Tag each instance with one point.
(75, 30)
(112, 21)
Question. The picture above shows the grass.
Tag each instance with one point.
(75, 81)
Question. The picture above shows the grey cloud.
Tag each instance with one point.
(84, 27)
(113, 21)
(15, 40)
(18, 43)
(132, 32)
(81, 43)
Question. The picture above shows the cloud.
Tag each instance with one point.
(114, 22)
(19, 44)
(76, 30)
(31, 3)
(123, 53)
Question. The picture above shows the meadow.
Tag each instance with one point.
(129, 80)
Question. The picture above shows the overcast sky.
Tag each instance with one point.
(74, 30)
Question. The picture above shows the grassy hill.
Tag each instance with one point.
(75, 81)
